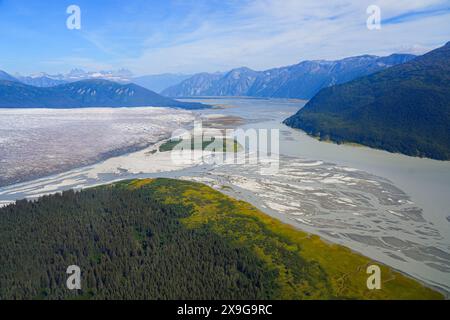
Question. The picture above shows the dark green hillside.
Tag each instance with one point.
(403, 109)
(84, 94)
(168, 239)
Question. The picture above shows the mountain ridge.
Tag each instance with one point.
(298, 81)
(6, 76)
(40, 81)
(84, 94)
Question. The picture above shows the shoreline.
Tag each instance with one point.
(240, 194)
(359, 145)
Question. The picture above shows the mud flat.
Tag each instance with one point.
(39, 142)
(347, 206)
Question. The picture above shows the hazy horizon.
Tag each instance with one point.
(13, 73)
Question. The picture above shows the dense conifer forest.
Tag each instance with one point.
(127, 245)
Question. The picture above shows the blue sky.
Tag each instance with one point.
(150, 37)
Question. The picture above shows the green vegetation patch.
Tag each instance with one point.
(306, 267)
(213, 144)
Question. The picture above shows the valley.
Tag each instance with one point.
(374, 202)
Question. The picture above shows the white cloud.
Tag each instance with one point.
(267, 33)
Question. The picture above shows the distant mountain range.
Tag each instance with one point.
(159, 82)
(85, 93)
(301, 81)
(403, 109)
(40, 81)
(198, 85)
(50, 80)
(156, 82)
(6, 76)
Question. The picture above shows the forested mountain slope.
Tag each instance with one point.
(299, 81)
(403, 109)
